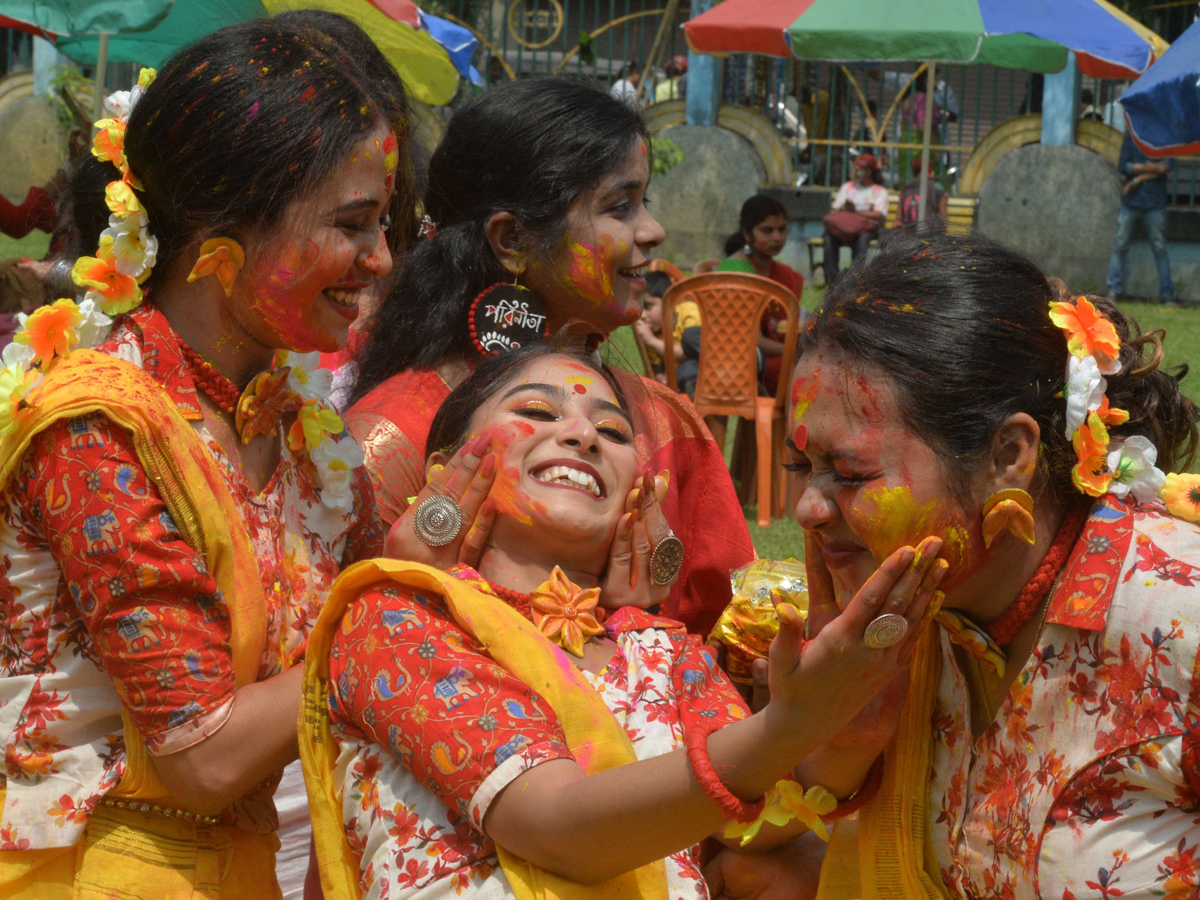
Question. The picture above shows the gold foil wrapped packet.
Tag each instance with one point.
(749, 623)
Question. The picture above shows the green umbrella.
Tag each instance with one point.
(187, 21)
(87, 16)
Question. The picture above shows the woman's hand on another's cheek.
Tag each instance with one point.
(466, 480)
(802, 673)
(627, 580)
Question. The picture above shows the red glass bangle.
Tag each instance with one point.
(696, 742)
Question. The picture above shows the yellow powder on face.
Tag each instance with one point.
(894, 518)
(804, 391)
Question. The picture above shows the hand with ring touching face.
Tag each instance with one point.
(455, 493)
(646, 555)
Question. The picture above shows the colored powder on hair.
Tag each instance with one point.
(251, 113)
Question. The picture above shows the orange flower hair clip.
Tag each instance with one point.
(1102, 465)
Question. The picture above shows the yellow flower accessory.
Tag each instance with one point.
(15, 383)
(786, 801)
(121, 199)
(314, 420)
(565, 612)
(223, 257)
(1181, 494)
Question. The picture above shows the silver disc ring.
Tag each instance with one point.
(666, 559)
(885, 631)
(437, 521)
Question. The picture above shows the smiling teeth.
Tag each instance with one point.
(567, 475)
(344, 298)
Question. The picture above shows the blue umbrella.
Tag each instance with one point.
(1163, 106)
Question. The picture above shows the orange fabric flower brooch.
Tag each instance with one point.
(565, 612)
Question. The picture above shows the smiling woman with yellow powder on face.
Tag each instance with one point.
(538, 194)
(1047, 745)
(179, 499)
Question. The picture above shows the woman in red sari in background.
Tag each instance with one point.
(540, 183)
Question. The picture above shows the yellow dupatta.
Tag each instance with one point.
(195, 491)
(887, 854)
(596, 739)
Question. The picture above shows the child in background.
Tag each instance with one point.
(649, 329)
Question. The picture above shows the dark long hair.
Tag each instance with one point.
(250, 118)
(452, 423)
(528, 147)
(755, 211)
(960, 326)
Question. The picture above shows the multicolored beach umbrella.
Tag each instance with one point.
(1034, 35)
(1163, 106)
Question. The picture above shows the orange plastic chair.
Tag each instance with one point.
(731, 308)
(705, 265)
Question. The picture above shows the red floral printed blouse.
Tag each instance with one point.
(430, 730)
(106, 608)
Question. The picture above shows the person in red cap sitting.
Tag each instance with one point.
(863, 195)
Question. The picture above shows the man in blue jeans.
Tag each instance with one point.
(1143, 196)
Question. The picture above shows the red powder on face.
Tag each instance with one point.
(580, 389)
(800, 437)
(870, 403)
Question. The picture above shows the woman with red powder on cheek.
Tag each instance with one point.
(488, 731)
(178, 500)
(1046, 743)
(540, 183)
(761, 236)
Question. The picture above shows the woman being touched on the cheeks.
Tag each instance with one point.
(489, 731)
(1046, 745)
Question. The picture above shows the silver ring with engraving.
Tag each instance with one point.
(885, 631)
(666, 559)
(437, 521)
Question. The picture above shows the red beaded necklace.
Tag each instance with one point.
(219, 389)
(1005, 628)
(515, 599)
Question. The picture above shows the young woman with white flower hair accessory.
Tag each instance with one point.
(1047, 743)
(178, 499)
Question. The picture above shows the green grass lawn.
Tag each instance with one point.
(784, 538)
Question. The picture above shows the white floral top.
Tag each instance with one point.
(1087, 785)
